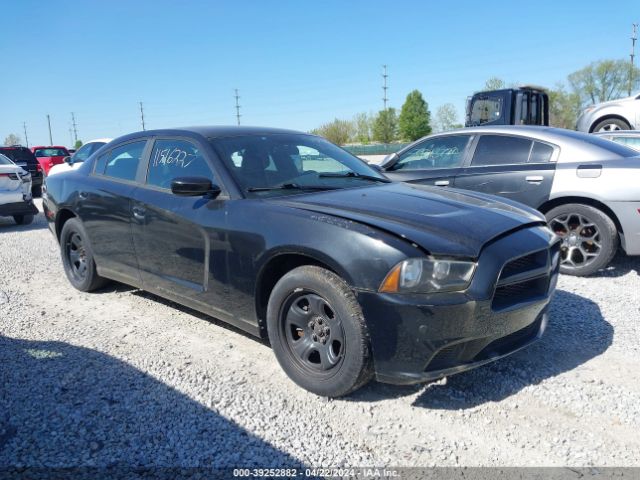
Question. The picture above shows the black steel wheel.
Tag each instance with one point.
(318, 333)
(77, 257)
(313, 332)
(589, 238)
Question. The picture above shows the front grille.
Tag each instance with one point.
(523, 279)
(521, 292)
(524, 264)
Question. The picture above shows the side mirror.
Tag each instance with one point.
(376, 167)
(194, 187)
(389, 160)
(68, 160)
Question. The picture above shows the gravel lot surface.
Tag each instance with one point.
(124, 377)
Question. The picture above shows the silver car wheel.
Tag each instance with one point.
(581, 242)
(610, 127)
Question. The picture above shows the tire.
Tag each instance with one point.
(332, 369)
(589, 238)
(23, 219)
(611, 124)
(79, 267)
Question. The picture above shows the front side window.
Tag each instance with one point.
(278, 164)
(501, 150)
(485, 110)
(121, 162)
(442, 152)
(175, 158)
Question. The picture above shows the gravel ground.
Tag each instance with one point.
(121, 377)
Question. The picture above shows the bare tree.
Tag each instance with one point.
(12, 139)
(602, 81)
(446, 118)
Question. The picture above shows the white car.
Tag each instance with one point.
(15, 192)
(621, 114)
(75, 160)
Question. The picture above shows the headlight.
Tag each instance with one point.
(426, 275)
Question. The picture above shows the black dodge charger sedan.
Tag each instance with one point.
(289, 237)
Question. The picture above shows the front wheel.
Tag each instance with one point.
(611, 125)
(589, 238)
(77, 257)
(318, 333)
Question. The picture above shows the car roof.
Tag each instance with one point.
(210, 132)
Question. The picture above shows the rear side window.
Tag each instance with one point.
(541, 153)
(121, 162)
(439, 152)
(175, 158)
(501, 150)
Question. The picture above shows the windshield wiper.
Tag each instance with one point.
(290, 186)
(354, 175)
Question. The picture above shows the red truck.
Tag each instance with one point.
(49, 156)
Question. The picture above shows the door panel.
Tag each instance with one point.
(105, 208)
(526, 183)
(514, 167)
(180, 241)
(434, 161)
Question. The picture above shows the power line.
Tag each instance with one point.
(142, 115)
(634, 37)
(384, 86)
(75, 129)
(26, 137)
(237, 97)
(49, 123)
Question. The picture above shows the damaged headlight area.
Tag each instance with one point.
(428, 275)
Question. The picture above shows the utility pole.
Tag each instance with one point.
(71, 137)
(237, 97)
(634, 37)
(49, 123)
(142, 116)
(384, 86)
(75, 129)
(26, 137)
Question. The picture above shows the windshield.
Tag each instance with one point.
(51, 152)
(19, 154)
(5, 160)
(278, 164)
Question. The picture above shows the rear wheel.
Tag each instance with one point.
(318, 333)
(23, 219)
(589, 238)
(611, 125)
(77, 257)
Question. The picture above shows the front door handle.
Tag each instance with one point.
(534, 178)
(441, 183)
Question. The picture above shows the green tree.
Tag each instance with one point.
(564, 107)
(415, 118)
(603, 80)
(337, 131)
(446, 118)
(494, 83)
(385, 126)
(362, 124)
(12, 139)
(78, 144)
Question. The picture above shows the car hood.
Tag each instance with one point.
(441, 221)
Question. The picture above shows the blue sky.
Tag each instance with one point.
(296, 64)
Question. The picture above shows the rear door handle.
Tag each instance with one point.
(534, 178)
(441, 183)
(138, 212)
